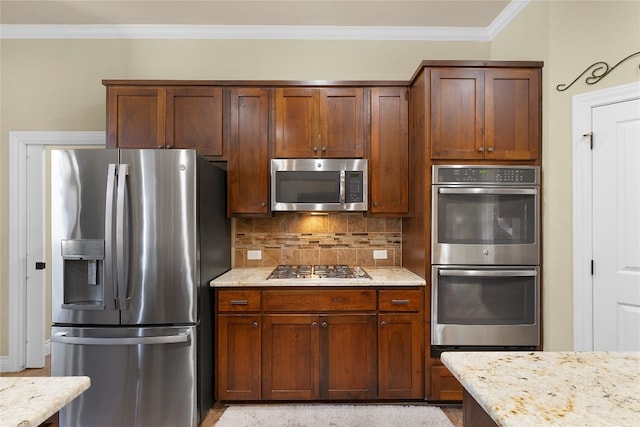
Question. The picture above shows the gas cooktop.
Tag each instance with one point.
(318, 272)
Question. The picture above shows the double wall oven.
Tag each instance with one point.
(485, 257)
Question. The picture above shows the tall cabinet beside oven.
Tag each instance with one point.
(469, 113)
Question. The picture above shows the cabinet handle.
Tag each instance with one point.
(255, 325)
(481, 149)
(383, 324)
(314, 324)
(160, 146)
(490, 149)
(169, 146)
(324, 324)
(376, 204)
(315, 149)
(400, 301)
(263, 204)
(324, 149)
(238, 302)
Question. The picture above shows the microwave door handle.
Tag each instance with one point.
(489, 273)
(343, 186)
(478, 190)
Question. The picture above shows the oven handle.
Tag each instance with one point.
(489, 273)
(476, 190)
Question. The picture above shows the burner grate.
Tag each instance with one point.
(318, 272)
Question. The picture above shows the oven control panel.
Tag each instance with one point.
(503, 175)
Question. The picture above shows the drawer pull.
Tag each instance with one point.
(255, 325)
(238, 302)
(383, 324)
(400, 301)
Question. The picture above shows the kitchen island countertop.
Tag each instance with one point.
(552, 388)
(29, 401)
(380, 276)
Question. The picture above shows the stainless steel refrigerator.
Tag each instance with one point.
(136, 237)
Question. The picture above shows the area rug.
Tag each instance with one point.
(322, 415)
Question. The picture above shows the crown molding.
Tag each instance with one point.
(265, 32)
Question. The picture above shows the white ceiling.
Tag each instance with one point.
(401, 19)
(431, 13)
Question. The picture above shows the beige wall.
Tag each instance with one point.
(56, 85)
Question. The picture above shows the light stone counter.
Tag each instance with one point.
(380, 276)
(552, 388)
(29, 401)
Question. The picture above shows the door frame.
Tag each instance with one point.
(583, 205)
(22, 304)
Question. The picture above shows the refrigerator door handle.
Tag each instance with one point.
(122, 269)
(111, 300)
(61, 337)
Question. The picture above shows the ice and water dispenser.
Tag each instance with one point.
(83, 264)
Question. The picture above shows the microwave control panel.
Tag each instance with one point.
(492, 175)
(354, 186)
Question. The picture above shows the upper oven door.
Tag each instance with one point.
(483, 225)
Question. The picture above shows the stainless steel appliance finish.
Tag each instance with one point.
(319, 184)
(318, 272)
(485, 215)
(136, 237)
(485, 306)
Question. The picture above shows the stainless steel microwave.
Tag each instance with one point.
(319, 184)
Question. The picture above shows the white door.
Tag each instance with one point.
(616, 226)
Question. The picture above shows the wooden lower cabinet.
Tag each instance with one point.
(239, 365)
(302, 344)
(444, 385)
(401, 361)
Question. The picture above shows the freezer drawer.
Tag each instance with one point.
(139, 376)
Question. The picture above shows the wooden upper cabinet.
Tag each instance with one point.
(248, 151)
(389, 157)
(512, 114)
(319, 122)
(194, 119)
(165, 117)
(135, 117)
(485, 114)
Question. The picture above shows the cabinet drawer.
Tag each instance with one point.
(238, 300)
(401, 300)
(325, 300)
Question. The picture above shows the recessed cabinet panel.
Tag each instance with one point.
(194, 119)
(135, 117)
(389, 157)
(248, 148)
(239, 364)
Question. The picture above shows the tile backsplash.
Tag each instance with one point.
(303, 238)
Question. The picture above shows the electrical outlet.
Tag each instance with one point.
(380, 254)
(254, 254)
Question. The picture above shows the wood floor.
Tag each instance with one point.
(453, 412)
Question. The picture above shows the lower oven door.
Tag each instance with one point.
(485, 306)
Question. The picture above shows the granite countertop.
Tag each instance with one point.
(29, 401)
(552, 388)
(380, 276)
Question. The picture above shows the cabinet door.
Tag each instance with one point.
(194, 119)
(290, 357)
(297, 127)
(238, 362)
(457, 114)
(248, 145)
(135, 117)
(348, 356)
(444, 385)
(341, 122)
(389, 160)
(400, 353)
(512, 114)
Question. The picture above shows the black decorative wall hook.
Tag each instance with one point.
(598, 71)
